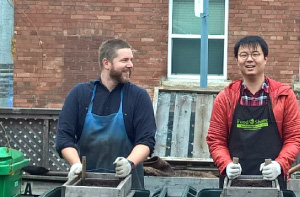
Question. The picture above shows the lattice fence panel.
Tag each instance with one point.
(24, 135)
(32, 131)
(55, 162)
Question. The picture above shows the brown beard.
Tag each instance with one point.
(117, 75)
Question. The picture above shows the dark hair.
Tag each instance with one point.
(108, 49)
(251, 41)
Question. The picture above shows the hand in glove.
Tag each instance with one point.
(76, 168)
(233, 170)
(123, 167)
(270, 171)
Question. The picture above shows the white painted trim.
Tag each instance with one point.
(196, 77)
(170, 38)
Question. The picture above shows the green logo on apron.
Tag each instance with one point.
(252, 124)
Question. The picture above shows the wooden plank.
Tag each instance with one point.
(181, 126)
(162, 119)
(45, 159)
(188, 160)
(27, 116)
(30, 111)
(155, 100)
(204, 105)
(213, 90)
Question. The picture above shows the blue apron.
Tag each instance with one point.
(103, 139)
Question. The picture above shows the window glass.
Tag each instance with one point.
(185, 22)
(186, 56)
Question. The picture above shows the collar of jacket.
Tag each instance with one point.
(232, 91)
(277, 89)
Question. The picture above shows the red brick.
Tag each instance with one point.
(72, 32)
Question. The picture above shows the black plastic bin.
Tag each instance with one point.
(288, 193)
(210, 192)
(215, 192)
(162, 192)
(189, 191)
(55, 192)
(141, 193)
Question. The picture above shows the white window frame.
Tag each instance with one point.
(196, 77)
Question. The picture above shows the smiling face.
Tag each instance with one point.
(120, 67)
(251, 61)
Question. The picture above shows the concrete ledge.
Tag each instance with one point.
(176, 185)
(185, 85)
(296, 87)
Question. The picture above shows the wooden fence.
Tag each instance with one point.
(32, 131)
(182, 119)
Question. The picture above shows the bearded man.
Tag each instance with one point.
(110, 121)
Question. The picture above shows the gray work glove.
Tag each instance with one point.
(233, 170)
(123, 167)
(270, 171)
(75, 169)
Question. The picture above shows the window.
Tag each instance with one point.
(185, 38)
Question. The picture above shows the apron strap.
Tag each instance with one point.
(92, 100)
(121, 103)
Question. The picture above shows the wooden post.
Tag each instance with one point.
(235, 160)
(83, 175)
(268, 161)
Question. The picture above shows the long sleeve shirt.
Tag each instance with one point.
(137, 112)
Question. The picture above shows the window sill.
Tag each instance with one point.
(215, 86)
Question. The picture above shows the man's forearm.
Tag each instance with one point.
(70, 154)
(139, 153)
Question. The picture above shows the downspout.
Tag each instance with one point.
(201, 10)
(204, 45)
(6, 58)
(6, 31)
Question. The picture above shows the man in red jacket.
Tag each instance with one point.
(254, 119)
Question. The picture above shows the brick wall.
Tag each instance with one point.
(63, 51)
(278, 22)
(71, 32)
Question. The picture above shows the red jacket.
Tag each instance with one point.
(286, 112)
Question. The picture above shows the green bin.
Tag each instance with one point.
(11, 164)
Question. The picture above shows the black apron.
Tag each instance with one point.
(254, 137)
(103, 139)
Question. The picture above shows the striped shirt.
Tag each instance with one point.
(257, 99)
